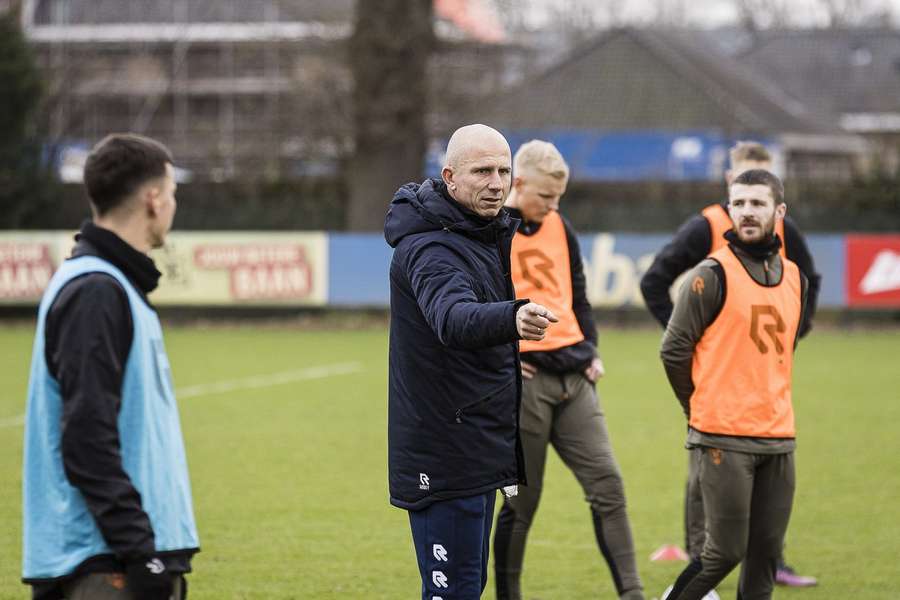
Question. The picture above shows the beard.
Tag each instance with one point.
(765, 230)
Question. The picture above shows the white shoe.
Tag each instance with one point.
(711, 595)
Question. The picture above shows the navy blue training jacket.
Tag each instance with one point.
(454, 376)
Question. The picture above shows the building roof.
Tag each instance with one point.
(653, 79)
(839, 71)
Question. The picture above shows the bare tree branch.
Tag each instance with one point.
(856, 13)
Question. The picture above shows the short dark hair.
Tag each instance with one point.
(762, 177)
(119, 164)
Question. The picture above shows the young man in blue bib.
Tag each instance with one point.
(106, 496)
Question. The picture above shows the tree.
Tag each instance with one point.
(20, 91)
(856, 13)
(23, 181)
(755, 15)
(388, 55)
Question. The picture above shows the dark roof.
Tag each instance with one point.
(652, 79)
(834, 70)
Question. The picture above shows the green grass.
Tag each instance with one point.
(290, 480)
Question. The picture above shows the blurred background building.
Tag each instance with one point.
(237, 88)
(851, 75)
(303, 117)
(267, 107)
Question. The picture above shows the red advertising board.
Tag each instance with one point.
(873, 271)
(25, 269)
(260, 271)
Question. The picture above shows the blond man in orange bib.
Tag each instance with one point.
(559, 403)
(728, 354)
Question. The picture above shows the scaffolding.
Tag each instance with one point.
(235, 88)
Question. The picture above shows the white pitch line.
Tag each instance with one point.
(272, 379)
(248, 383)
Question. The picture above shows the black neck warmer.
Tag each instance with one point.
(137, 266)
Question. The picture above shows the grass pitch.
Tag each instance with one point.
(288, 463)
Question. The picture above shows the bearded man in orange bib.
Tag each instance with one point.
(559, 403)
(728, 354)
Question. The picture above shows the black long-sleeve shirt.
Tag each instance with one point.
(692, 243)
(576, 357)
(88, 336)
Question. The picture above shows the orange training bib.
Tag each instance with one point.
(742, 364)
(541, 271)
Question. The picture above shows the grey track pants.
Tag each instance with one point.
(747, 499)
(564, 411)
(694, 518)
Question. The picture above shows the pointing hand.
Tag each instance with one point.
(532, 321)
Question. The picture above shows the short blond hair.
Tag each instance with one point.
(538, 156)
(748, 151)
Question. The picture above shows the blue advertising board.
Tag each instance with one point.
(358, 266)
(632, 155)
(614, 265)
